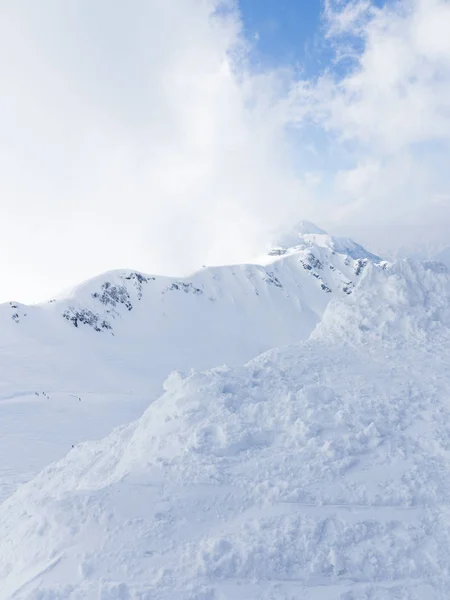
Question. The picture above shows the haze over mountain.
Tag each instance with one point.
(159, 135)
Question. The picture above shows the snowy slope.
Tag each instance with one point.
(75, 367)
(318, 471)
(219, 314)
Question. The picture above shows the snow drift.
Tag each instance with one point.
(316, 471)
(403, 301)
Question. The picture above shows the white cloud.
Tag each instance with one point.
(398, 93)
(132, 136)
(344, 16)
(135, 134)
(389, 112)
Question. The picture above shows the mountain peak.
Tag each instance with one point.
(295, 235)
(307, 228)
(306, 234)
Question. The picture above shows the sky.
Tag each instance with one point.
(160, 136)
(283, 33)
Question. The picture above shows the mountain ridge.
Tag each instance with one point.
(101, 300)
(318, 469)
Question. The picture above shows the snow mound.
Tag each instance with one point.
(316, 471)
(407, 300)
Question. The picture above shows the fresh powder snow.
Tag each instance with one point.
(318, 470)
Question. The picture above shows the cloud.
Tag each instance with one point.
(137, 135)
(397, 94)
(134, 135)
(388, 110)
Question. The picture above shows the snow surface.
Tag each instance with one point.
(73, 368)
(318, 471)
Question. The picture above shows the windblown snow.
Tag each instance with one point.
(316, 471)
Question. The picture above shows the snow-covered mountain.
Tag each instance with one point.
(75, 367)
(219, 314)
(317, 471)
(306, 234)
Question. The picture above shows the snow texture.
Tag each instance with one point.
(77, 366)
(316, 471)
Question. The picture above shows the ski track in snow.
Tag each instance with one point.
(316, 471)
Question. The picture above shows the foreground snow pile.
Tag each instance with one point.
(320, 471)
(399, 304)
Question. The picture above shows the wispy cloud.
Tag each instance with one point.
(389, 110)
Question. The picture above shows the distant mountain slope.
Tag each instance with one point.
(315, 471)
(219, 314)
(306, 234)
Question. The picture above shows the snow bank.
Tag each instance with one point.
(405, 301)
(316, 471)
